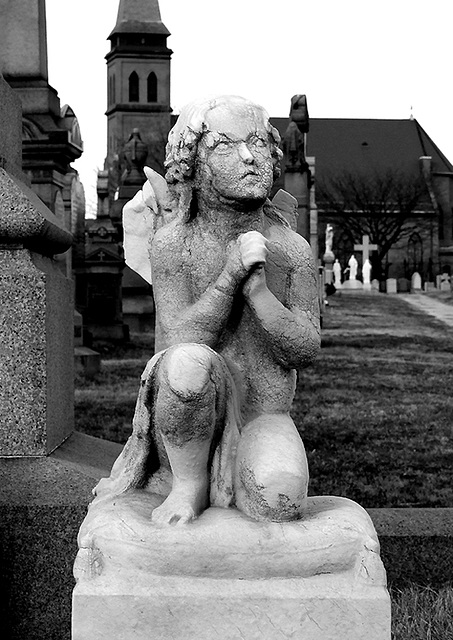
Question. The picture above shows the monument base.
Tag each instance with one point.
(322, 608)
(352, 285)
(227, 576)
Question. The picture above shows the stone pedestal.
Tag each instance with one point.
(37, 373)
(36, 326)
(227, 576)
(352, 285)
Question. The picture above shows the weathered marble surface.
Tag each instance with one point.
(228, 576)
(237, 313)
(204, 528)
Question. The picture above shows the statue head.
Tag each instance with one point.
(227, 145)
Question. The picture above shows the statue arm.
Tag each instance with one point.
(182, 318)
(292, 331)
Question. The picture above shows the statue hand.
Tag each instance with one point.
(246, 253)
(253, 249)
(156, 196)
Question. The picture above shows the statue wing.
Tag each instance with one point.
(148, 210)
(287, 206)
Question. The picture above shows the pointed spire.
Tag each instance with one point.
(139, 16)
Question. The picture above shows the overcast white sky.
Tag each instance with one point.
(352, 58)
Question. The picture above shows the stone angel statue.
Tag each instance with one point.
(236, 315)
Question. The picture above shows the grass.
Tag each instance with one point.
(422, 613)
(374, 411)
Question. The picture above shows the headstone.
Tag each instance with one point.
(404, 285)
(87, 361)
(391, 285)
(416, 282)
(438, 281)
(375, 285)
(428, 286)
(228, 455)
(445, 284)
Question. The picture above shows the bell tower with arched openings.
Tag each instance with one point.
(138, 82)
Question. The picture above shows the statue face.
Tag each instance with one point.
(234, 157)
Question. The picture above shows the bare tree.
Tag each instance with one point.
(387, 206)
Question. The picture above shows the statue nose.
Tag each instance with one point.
(245, 153)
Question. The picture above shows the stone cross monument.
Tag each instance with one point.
(365, 248)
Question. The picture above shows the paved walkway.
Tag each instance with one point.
(436, 308)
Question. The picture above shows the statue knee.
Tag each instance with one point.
(187, 369)
(271, 470)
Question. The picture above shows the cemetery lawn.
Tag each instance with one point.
(374, 410)
(422, 613)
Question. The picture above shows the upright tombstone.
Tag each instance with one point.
(204, 527)
(416, 282)
(445, 282)
(391, 285)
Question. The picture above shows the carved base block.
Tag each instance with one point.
(228, 577)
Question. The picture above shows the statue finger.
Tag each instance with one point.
(158, 186)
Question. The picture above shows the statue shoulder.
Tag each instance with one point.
(291, 240)
(168, 242)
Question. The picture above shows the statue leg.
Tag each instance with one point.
(271, 475)
(185, 420)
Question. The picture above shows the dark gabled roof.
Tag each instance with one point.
(344, 144)
(139, 16)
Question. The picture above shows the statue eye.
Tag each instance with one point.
(258, 142)
(222, 146)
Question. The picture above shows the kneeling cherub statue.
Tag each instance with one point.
(236, 315)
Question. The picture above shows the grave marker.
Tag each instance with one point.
(365, 248)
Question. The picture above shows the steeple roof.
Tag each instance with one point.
(139, 16)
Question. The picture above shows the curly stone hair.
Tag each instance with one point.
(183, 139)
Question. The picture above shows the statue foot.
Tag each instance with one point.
(184, 503)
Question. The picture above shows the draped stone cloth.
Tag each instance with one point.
(136, 467)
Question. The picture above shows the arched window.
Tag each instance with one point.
(113, 88)
(152, 87)
(134, 95)
(415, 253)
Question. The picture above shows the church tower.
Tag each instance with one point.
(138, 81)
